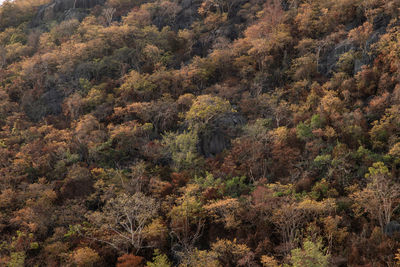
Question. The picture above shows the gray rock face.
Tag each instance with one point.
(381, 21)
(188, 14)
(330, 57)
(67, 8)
(392, 228)
(219, 133)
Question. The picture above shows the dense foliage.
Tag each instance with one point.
(199, 133)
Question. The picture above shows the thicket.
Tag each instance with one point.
(200, 133)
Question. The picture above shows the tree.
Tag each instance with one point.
(163, 12)
(309, 19)
(221, 6)
(232, 253)
(385, 129)
(88, 131)
(291, 216)
(395, 152)
(380, 197)
(268, 261)
(129, 260)
(305, 67)
(200, 258)
(17, 259)
(122, 6)
(361, 35)
(310, 255)
(182, 149)
(206, 108)
(85, 257)
(108, 14)
(334, 234)
(123, 221)
(187, 220)
(224, 211)
(289, 219)
(138, 17)
(159, 260)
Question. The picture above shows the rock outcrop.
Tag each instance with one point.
(392, 228)
(330, 56)
(219, 133)
(64, 9)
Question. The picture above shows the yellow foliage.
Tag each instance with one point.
(268, 261)
(206, 108)
(85, 257)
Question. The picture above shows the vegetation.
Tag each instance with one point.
(199, 133)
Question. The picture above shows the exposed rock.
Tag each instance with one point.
(285, 5)
(367, 59)
(330, 57)
(218, 136)
(188, 13)
(392, 228)
(66, 9)
(380, 21)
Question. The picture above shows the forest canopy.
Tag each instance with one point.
(199, 133)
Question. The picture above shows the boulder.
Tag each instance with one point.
(217, 137)
(392, 228)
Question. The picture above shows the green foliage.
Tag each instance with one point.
(2, 144)
(311, 254)
(34, 245)
(322, 161)
(208, 181)
(17, 259)
(200, 258)
(188, 208)
(137, 84)
(182, 149)
(233, 187)
(106, 110)
(159, 260)
(280, 190)
(304, 131)
(73, 230)
(317, 121)
(236, 186)
(322, 189)
(378, 168)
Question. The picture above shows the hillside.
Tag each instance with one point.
(200, 133)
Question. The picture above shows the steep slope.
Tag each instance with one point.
(199, 132)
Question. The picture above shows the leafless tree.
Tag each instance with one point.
(380, 197)
(124, 220)
(292, 216)
(187, 224)
(108, 14)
